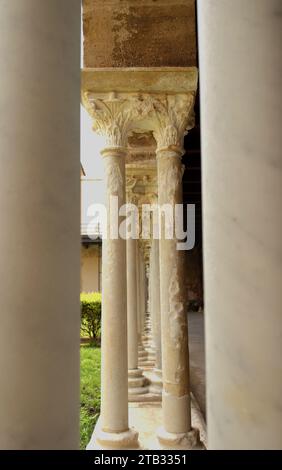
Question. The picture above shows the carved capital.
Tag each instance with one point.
(174, 118)
(114, 116)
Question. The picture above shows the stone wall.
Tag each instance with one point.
(139, 33)
(90, 268)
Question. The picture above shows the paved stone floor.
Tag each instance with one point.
(197, 358)
(146, 418)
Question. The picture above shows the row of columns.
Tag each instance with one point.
(40, 240)
(114, 117)
(136, 379)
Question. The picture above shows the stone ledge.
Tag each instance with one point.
(140, 80)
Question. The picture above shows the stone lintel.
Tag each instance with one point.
(164, 80)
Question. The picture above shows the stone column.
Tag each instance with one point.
(156, 316)
(142, 353)
(136, 379)
(173, 118)
(241, 115)
(40, 224)
(138, 281)
(148, 339)
(142, 291)
(155, 302)
(112, 119)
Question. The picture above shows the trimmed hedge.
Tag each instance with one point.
(91, 315)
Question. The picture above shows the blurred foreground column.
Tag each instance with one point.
(40, 229)
(240, 75)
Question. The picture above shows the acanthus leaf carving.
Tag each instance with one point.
(111, 118)
(175, 117)
(115, 117)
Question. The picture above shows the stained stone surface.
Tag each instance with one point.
(139, 33)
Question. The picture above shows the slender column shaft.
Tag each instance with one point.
(155, 302)
(175, 361)
(242, 220)
(112, 119)
(39, 237)
(142, 293)
(174, 118)
(142, 354)
(148, 333)
(132, 321)
(138, 291)
(114, 392)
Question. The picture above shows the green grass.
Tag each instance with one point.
(90, 366)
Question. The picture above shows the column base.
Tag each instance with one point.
(148, 363)
(152, 357)
(156, 383)
(142, 354)
(102, 440)
(136, 384)
(186, 441)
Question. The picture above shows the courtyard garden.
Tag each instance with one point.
(90, 365)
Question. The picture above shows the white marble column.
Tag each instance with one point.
(136, 380)
(40, 224)
(173, 119)
(241, 114)
(111, 118)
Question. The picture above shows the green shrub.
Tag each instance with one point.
(91, 316)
